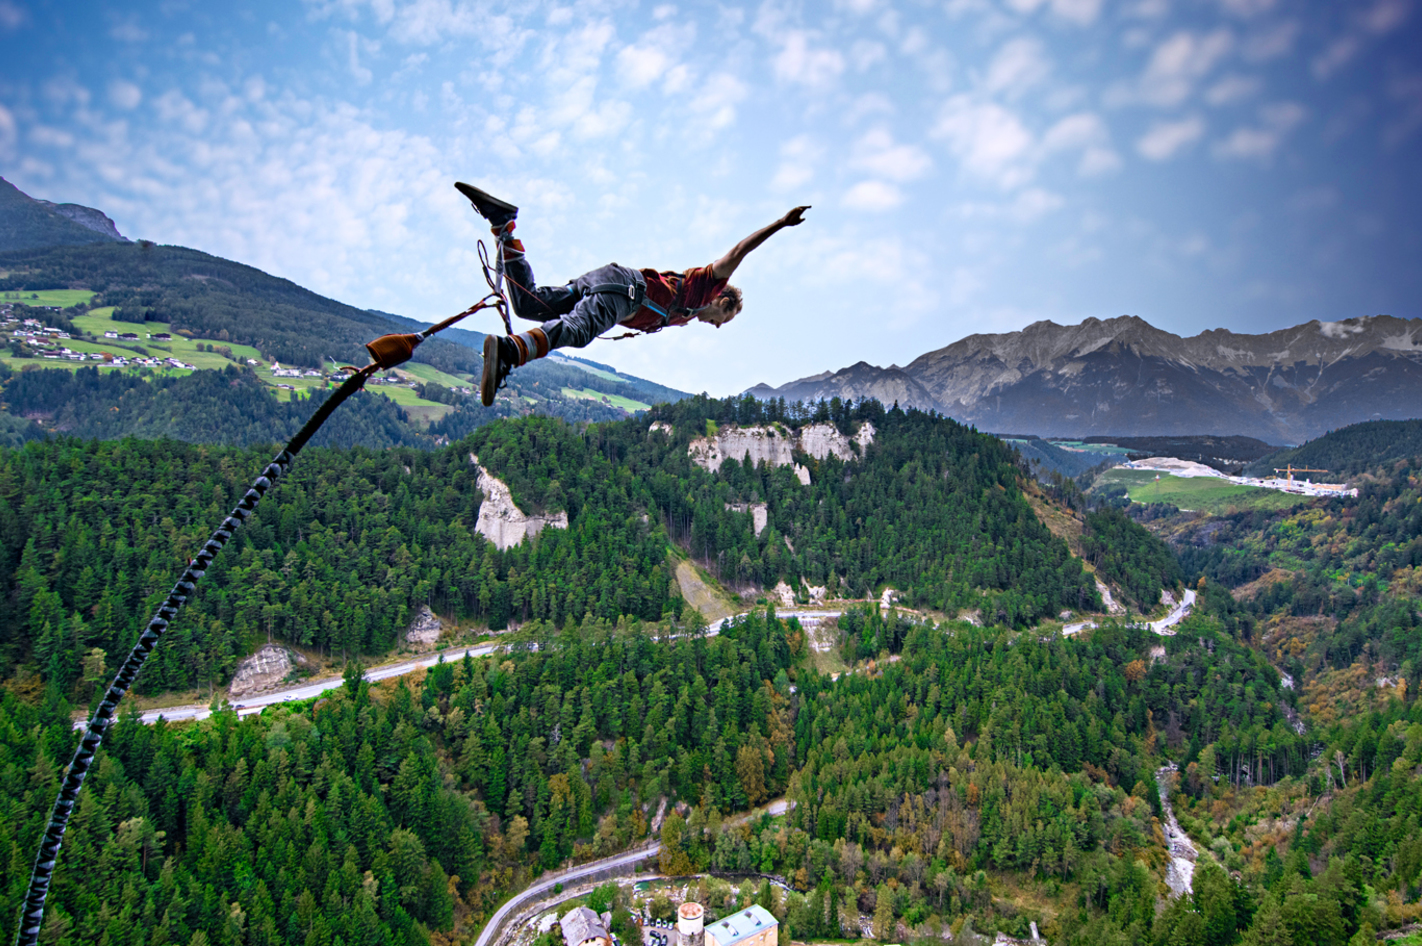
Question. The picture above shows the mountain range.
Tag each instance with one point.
(1125, 377)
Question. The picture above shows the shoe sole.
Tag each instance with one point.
(489, 380)
(483, 201)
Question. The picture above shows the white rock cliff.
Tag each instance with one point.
(775, 446)
(503, 523)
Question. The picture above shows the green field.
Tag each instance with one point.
(432, 374)
(598, 372)
(97, 322)
(64, 298)
(1198, 494)
(586, 394)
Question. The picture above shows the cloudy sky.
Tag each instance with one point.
(973, 165)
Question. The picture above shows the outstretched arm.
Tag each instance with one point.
(726, 265)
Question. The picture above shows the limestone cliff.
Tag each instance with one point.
(760, 514)
(503, 523)
(775, 445)
(265, 669)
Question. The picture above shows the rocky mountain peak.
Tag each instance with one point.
(1124, 376)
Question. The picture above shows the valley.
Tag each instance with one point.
(992, 686)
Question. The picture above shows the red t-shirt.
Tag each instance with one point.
(691, 289)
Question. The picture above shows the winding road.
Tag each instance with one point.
(1161, 627)
(546, 883)
(305, 691)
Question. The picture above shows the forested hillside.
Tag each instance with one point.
(983, 777)
(344, 552)
(952, 776)
(1349, 450)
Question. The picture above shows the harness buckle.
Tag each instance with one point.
(632, 291)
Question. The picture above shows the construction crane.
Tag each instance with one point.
(1291, 470)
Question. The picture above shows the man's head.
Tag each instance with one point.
(722, 309)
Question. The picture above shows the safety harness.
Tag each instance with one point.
(637, 292)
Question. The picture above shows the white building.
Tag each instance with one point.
(753, 926)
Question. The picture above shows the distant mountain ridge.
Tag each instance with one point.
(1125, 377)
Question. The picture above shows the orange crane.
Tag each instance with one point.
(1291, 470)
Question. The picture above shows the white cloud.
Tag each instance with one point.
(989, 141)
(1259, 142)
(715, 104)
(1406, 91)
(1246, 8)
(1087, 133)
(798, 158)
(876, 153)
(865, 53)
(642, 65)
(798, 62)
(655, 53)
(1029, 205)
(874, 196)
(1272, 42)
(12, 15)
(1078, 12)
(1166, 139)
(1339, 53)
(1179, 63)
(176, 109)
(1386, 16)
(1018, 66)
(1231, 89)
(355, 44)
(128, 31)
(7, 132)
(125, 95)
(1381, 18)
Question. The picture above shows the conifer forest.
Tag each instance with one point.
(955, 763)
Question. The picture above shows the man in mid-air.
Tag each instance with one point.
(575, 314)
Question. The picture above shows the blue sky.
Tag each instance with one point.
(973, 165)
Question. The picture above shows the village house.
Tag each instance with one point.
(582, 927)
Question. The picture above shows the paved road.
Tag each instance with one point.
(545, 884)
(306, 691)
(255, 704)
(567, 878)
(1161, 627)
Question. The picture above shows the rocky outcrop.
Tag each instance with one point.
(1112, 607)
(760, 514)
(660, 426)
(785, 593)
(775, 445)
(425, 629)
(264, 670)
(503, 523)
(89, 218)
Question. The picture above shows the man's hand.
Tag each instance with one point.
(795, 217)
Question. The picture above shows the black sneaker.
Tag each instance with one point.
(497, 212)
(497, 364)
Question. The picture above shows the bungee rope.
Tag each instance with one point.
(386, 352)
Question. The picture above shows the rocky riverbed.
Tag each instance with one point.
(1181, 872)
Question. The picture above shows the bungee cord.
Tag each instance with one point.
(386, 352)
